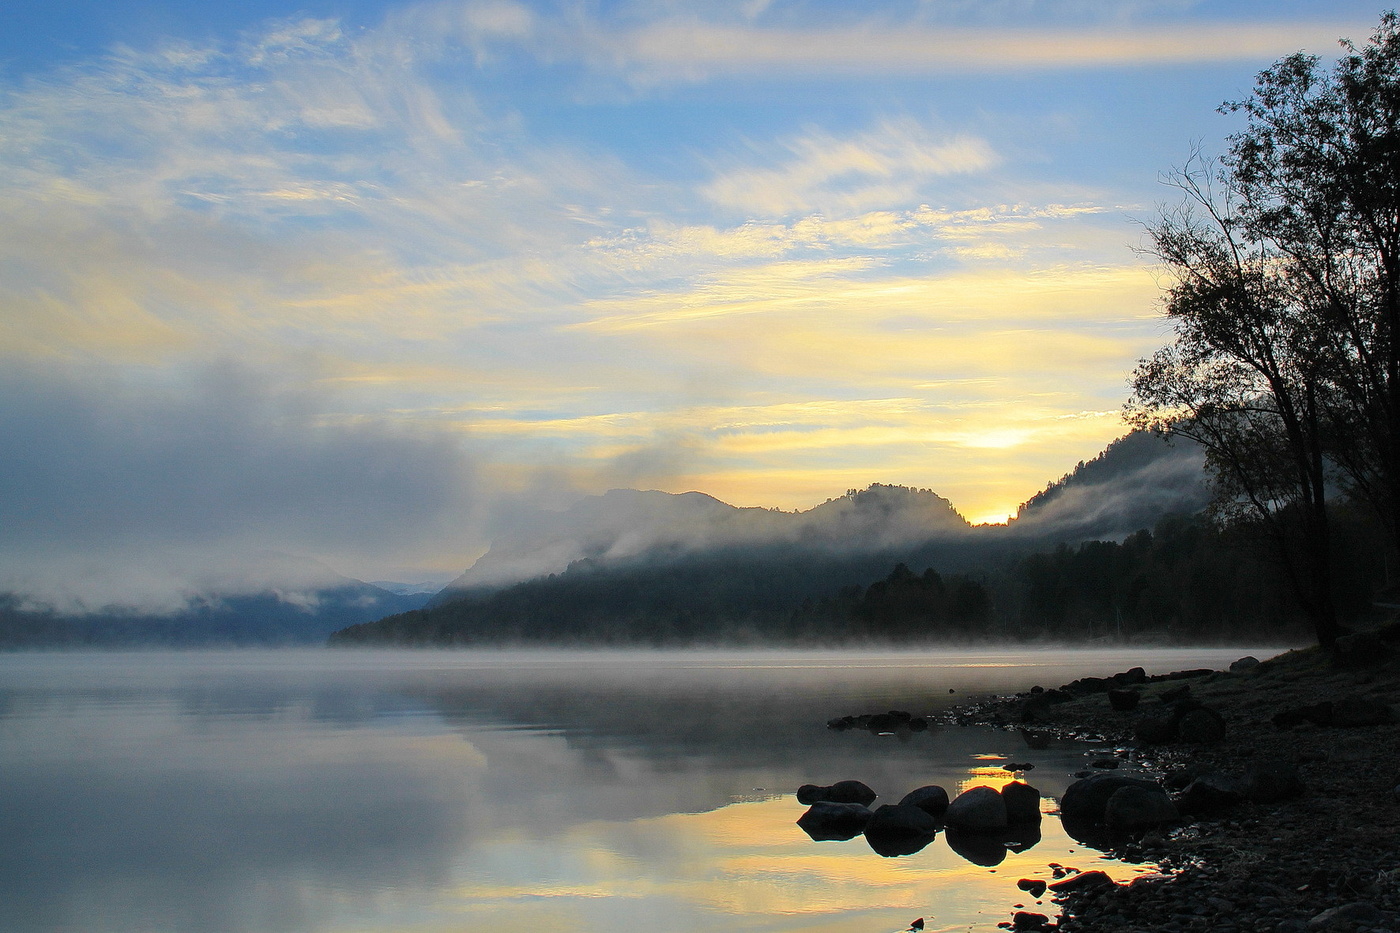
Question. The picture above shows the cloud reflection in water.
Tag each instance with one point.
(307, 791)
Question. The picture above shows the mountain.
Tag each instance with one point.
(302, 616)
(1130, 485)
(649, 567)
(627, 525)
(1135, 481)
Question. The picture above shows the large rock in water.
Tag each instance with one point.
(1085, 800)
(901, 829)
(930, 798)
(1022, 803)
(978, 810)
(1138, 808)
(840, 792)
(825, 821)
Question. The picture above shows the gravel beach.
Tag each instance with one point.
(1284, 774)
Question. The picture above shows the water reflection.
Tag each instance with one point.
(306, 791)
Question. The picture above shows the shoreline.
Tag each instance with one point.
(1323, 856)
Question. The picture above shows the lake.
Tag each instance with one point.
(377, 791)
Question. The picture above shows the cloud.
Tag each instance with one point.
(654, 44)
(111, 491)
(693, 49)
(886, 166)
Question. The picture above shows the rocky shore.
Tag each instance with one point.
(1285, 779)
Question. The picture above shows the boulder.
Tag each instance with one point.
(890, 721)
(1133, 808)
(1130, 677)
(977, 809)
(1351, 711)
(1210, 792)
(1201, 726)
(1271, 781)
(840, 792)
(1086, 800)
(1176, 694)
(1345, 712)
(1123, 699)
(1156, 727)
(1029, 922)
(1022, 803)
(900, 829)
(930, 798)
(1247, 663)
(825, 820)
(1360, 649)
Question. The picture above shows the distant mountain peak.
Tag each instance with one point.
(631, 524)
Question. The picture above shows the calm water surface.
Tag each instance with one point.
(382, 791)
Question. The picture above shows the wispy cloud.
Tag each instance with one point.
(661, 44)
(885, 166)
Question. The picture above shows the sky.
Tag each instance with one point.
(359, 281)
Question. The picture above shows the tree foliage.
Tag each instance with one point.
(1284, 264)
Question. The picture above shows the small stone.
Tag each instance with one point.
(1083, 881)
(1035, 887)
(1025, 920)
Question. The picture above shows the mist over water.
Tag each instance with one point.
(383, 791)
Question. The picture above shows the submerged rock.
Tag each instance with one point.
(899, 829)
(977, 809)
(930, 798)
(1035, 887)
(840, 792)
(1022, 802)
(826, 821)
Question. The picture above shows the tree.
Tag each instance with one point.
(1285, 300)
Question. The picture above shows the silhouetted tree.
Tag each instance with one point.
(1286, 307)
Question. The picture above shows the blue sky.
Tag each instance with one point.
(357, 280)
